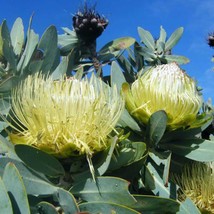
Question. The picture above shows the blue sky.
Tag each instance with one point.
(196, 16)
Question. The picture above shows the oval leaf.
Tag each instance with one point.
(102, 207)
(108, 189)
(17, 36)
(117, 44)
(67, 201)
(153, 204)
(175, 58)
(156, 127)
(174, 38)
(5, 205)
(47, 208)
(146, 38)
(39, 160)
(15, 186)
(194, 149)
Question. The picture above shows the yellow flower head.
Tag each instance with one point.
(164, 87)
(66, 117)
(197, 183)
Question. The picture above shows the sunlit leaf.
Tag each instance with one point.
(188, 207)
(17, 36)
(147, 38)
(174, 38)
(116, 45)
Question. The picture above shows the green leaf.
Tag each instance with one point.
(117, 76)
(67, 201)
(156, 127)
(154, 181)
(128, 155)
(104, 207)
(60, 70)
(116, 45)
(147, 38)
(175, 58)
(67, 41)
(6, 147)
(126, 120)
(106, 189)
(129, 72)
(48, 44)
(174, 38)
(39, 160)
(148, 204)
(32, 41)
(7, 47)
(5, 205)
(17, 36)
(139, 59)
(46, 208)
(162, 37)
(194, 149)
(15, 186)
(188, 207)
(148, 54)
(35, 183)
(9, 83)
(101, 163)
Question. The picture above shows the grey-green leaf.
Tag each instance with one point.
(39, 160)
(174, 38)
(67, 201)
(148, 204)
(48, 44)
(175, 58)
(35, 183)
(188, 207)
(194, 149)
(14, 184)
(117, 76)
(46, 208)
(156, 127)
(104, 207)
(17, 36)
(5, 205)
(108, 189)
(147, 38)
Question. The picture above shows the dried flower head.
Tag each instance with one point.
(89, 24)
(197, 183)
(164, 87)
(66, 117)
(210, 39)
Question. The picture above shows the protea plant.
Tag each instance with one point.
(164, 87)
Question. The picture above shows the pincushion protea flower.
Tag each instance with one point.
(197, 183)
(164, 87)
(66, 117)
